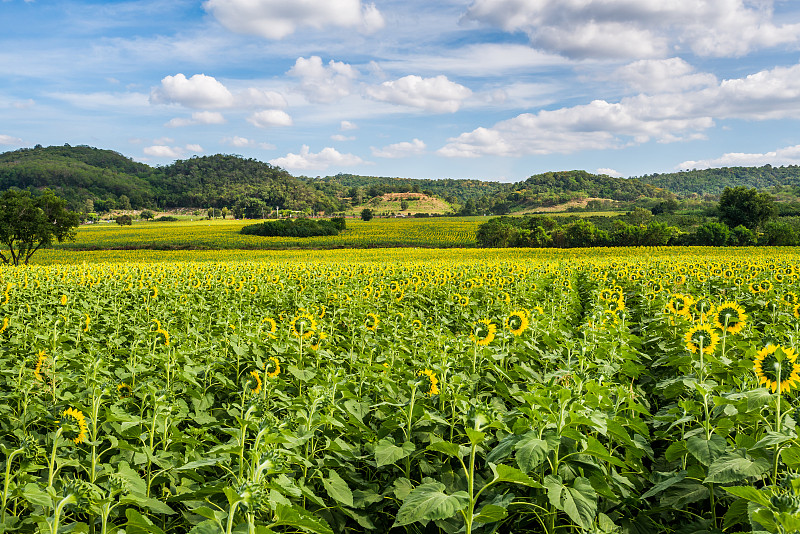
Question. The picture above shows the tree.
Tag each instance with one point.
(28, 223)
(146, 215)
(366, 214)
(403, 205)
(124, 220)
(740, 205)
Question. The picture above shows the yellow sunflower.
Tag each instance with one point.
(42, 359)
(483, 332)
(730, 317)
(433, 382)
(372, 321)
(517, 322)
(680, 304)
(315, 340)
(271, 326)
(254, 382)
(303, 325)
(74, 425)
(272, 367)
(124, 390)
(772, 359)
(701, 335)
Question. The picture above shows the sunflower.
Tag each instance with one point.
(416, 324)
(680, 304)
(790, 298)
(433, 382)
(74, 425)
(271, 327)
(124, 390)
(87, 321)
(463, 300)
(37, 372)
(254, 382)
(275, 364)
(303, 325)
(483, 332)
(772, 359)
(517, 322)
(729, 317)
(315, 340)
(701, 335)
(372, 321)
(765, 286)
(5, 325)
(63, 300)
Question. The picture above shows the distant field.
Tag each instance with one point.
(224, 234)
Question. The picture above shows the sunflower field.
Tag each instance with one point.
(611, 391)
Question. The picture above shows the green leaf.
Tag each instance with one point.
(579, 501)
(134, 481)
(154, 505)
(206, 527)
(736, 466)
(749, 493)
(506, 473)
(791, 457)
(664, 484)
(337, 488)
(33, 494)
(598, 450)
(445, 447)
(198, 463)
(530, 451)
(706, 450)
(293, 516)
(489, 514)
(428, 501)
(386, 452)
(770, 439)
(138, 523)
(476, 437)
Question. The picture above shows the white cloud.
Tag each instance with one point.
(323, 84)
(163, 151)
(201, 91)
(609, 172)
(275, 19)
(400, 150)
(432, 94)
(663, 76)
(242, 142)
(340, 137)
(194, 148)
(666, 118)
(199, 117)
(306, 160)
(9, 140)
(270, 117)
(783, 156)
(347, 125)
(24, 104)
(104, 101)
(638, 28)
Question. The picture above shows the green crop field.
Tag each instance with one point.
(224, 234)
(400, 390)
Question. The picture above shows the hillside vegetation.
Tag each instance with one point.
(97, 180)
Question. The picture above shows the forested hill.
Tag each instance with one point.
(714, 181)
(452, 190)
(92, 179)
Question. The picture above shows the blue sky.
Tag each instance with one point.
(486, 89)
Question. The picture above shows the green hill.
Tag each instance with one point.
(714, 181)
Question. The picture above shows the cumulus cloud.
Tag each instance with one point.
(8, 140)
(270, 117)
(347, 125)
(200, 117)
(195, 148)
(242, 142)
(666, 118)
(323, 84)
(638, 28)
(609, 172)
(201, 91)
(306, 160)
(663, 76)
(400, 150)
(163, 151)
(340, 137)
(275, 19)
(436, 94)
(783, 156)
